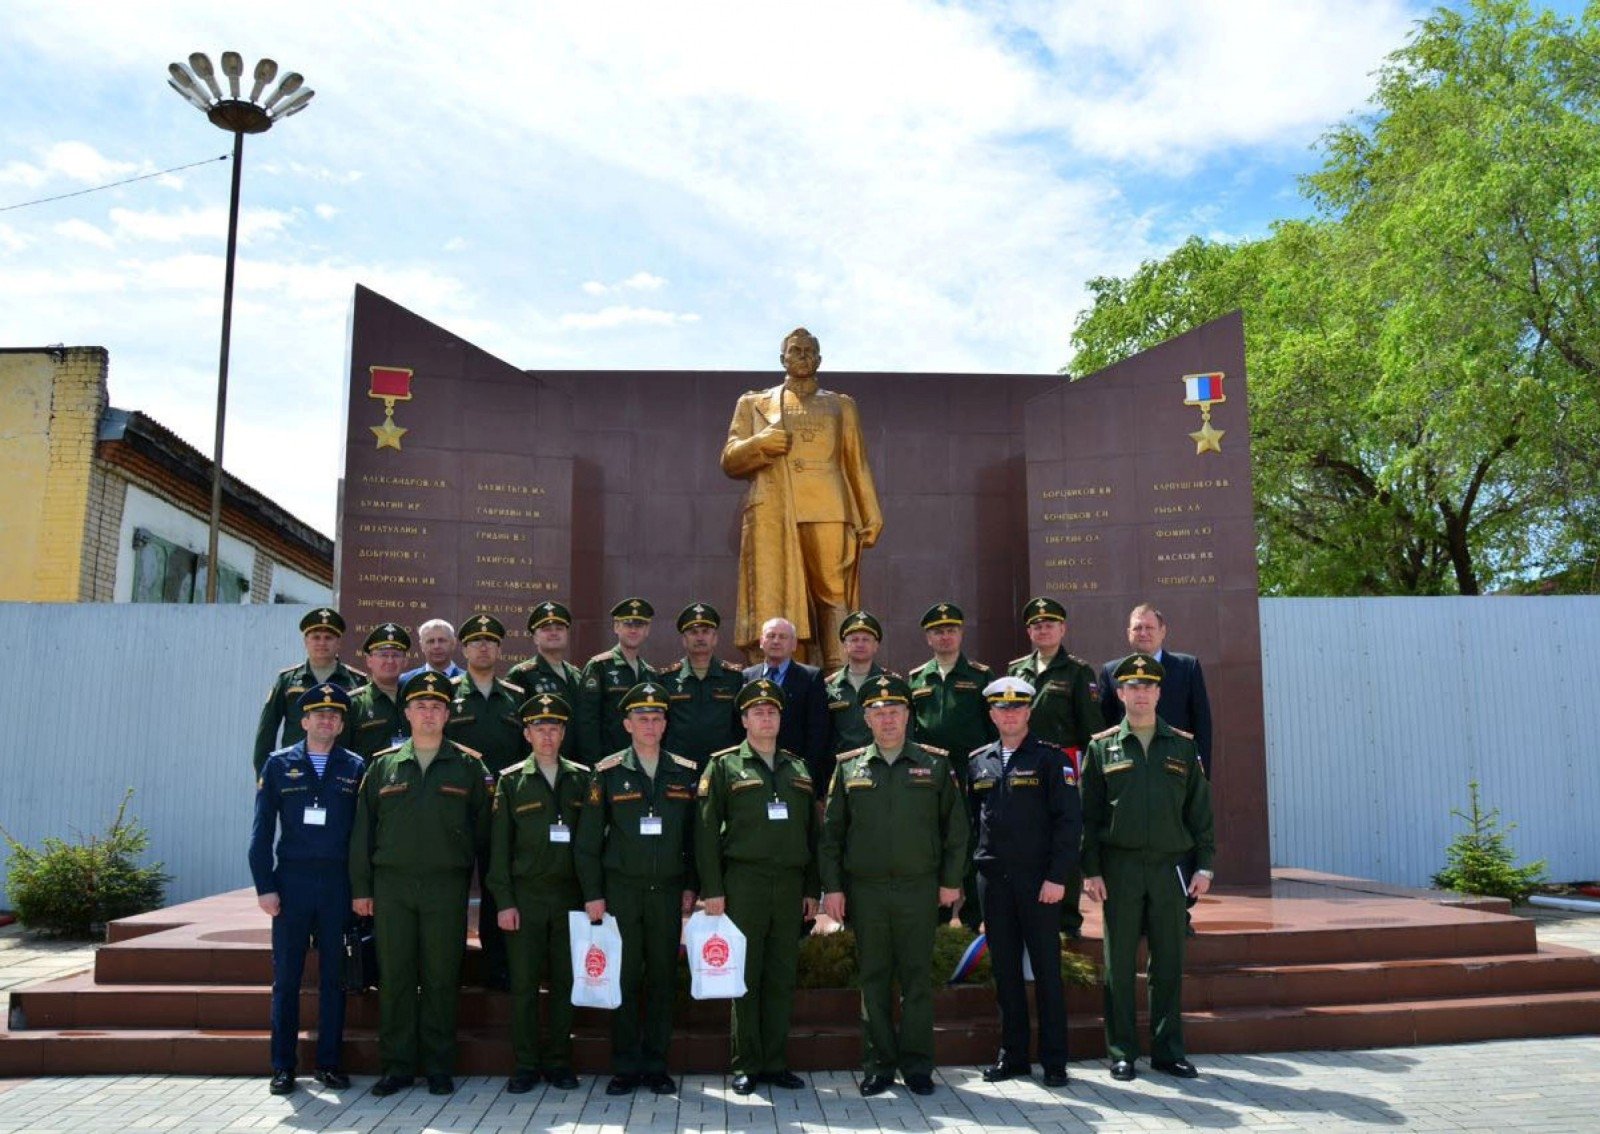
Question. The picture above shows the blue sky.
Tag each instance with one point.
(928, 186)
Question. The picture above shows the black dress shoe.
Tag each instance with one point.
(328, 1077)
(920, 1084)
(522, 1082)
(743, 1085)
(562, 1078)
(660, 1083)
(389, 1084)
(622, 1084)
(1178, 1068)
(1000, 1072)
(282, 1083)
(1055, 1077)
(1123, 1071)
(787, 1080)
(875, 1085)
(441, 1085)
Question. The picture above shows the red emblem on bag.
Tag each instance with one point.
(594, 962)
(714, 952)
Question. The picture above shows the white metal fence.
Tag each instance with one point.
(1379, 711)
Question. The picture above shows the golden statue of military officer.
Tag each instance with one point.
(811, 509)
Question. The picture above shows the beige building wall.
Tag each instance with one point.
(50, 406)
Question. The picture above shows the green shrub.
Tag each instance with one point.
(64, 889)
(1480, 859)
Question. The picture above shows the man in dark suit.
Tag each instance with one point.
(1184, 703)
(804, 730)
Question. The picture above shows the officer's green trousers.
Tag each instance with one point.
(420, 922)
(649, 917)
(1143, 889)
(764, 902)
(541, 948)
(894, 921)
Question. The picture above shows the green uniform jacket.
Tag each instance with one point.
(1145, 801)
(1066, 699)
(734, 825)
(604, 681)
(537, 675)
(702, 717)
(373, 723)
(951, 711)
(488, 725)
(424, 823)
(847, 722)
(610, 842)
(524, 863)
(281, 700)
(888, 821)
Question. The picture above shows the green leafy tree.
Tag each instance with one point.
(1424, 353)
(1480, 859)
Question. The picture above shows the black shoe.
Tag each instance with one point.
(441, 1085)
(1123, 1071)
(1188, 930)
(787, 1080)
(522, 1082)
(875, 1085)
(338, 1080)
(744, 1085)
(389, 1084)
(1000, 1072)
(622, 1084)
(1178, 1068)
(282, 1083)
(562, 1078)
(660, 1083)
(920, 1083)
(1055, 1077)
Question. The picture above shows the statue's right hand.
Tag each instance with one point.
(773, 441)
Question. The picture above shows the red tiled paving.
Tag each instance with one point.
(1313, 961)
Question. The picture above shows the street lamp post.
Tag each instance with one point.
(198, 85)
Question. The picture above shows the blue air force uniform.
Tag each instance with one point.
(312, 817)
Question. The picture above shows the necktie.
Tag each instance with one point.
(772, 674)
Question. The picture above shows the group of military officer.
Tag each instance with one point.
(632, 791)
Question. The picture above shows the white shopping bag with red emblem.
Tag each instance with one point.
(716, 957)
(596, 961)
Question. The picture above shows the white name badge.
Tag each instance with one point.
(777, 809)
(314, 817)
(650, 824)
(560, 833)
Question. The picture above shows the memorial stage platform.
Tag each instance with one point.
(1311, 961)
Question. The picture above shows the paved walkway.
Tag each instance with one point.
(1548, 1085)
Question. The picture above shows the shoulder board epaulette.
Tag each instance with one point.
(1059, 747)
(684, 762)
(519, 766)
(458, 679)
(979, 666)
(354, 672)
(1080, 661)
(511, 685)
(945, 752)
(673, 668)
(835, 675)
(602, 658)
(1019, 661)
(923, 667)
(731, 668)
(609, 762)
(473, 752)
(723, 751)
(850, 755)
(1106, 732)
(1181, 732)
(386, 751)
(290, 668)
(791, 755)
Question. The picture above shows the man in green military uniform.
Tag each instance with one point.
(422, 820)
(376, 721)
(536, 807)
(484, 719)
(548, 670)
(702, 689)
(1146, 807)
(951, 713)
(635, 860)
(755, 846)
(894, 844)
(861, 634)
(1066, 708)
(606, 679)
(323, 629)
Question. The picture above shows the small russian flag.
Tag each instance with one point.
(975, 952)
(1198, 388)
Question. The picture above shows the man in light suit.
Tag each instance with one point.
(1184, 703)
(804, 730)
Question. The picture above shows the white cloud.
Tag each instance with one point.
(84, 232)
(11, 240)
(455, 244)
(639, 281)
(612, 317)
(185, 224)
(326, 211)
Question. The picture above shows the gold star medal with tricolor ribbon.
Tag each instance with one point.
(1205, 391)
